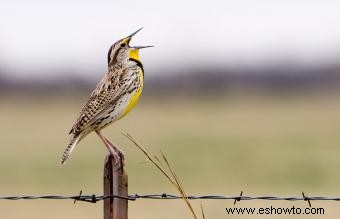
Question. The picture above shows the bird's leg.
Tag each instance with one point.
(111, 150)
(117, 150)
(114, 151)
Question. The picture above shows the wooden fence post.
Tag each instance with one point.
(115, 183)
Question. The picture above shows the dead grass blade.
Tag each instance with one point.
(172, 177)
(149, 157)
(179, 186)
(202, 211)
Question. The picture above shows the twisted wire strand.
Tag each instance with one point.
(164, 196)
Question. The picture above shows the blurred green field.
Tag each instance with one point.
(221, 145)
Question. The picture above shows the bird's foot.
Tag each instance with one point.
(117, 154)
(117, 158)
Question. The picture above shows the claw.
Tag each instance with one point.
(116, 153)
(117, 159)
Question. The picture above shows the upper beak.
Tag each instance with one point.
(128, 38)
(134, 33)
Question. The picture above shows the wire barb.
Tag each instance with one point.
(75, 200)
(305, 198)
(237, 199)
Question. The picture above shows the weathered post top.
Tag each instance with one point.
(115, 183)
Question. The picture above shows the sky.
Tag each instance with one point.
(41, 38)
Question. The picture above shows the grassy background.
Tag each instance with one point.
(217, 145)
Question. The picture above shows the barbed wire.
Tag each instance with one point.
(164, 196)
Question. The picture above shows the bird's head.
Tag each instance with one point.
(121, 51)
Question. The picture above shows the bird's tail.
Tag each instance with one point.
(73, 142)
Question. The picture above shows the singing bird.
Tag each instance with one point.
(115, 95)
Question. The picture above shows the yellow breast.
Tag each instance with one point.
(136, 95)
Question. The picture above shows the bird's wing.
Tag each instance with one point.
(107, 92)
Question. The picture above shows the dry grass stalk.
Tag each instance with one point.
(202, 211)
(149, 157)
(173, 178)
(179, 185)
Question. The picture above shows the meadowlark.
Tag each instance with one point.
(115, 95)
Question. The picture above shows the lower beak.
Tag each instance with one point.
(141, 47)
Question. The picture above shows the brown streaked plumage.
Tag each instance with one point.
(115, 95)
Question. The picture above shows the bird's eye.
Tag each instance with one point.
(123, 45)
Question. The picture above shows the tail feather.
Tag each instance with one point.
(73, 142)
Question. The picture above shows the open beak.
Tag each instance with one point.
(128, 39)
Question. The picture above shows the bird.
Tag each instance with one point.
(114, 96)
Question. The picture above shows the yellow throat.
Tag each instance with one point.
(134, 54)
